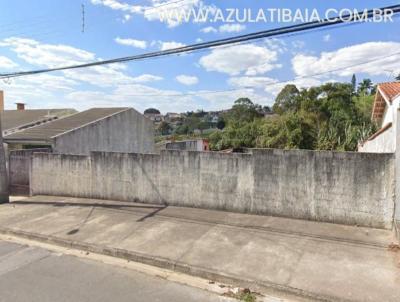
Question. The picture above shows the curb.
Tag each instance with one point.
(258, 286)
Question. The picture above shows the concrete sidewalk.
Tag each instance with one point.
(312, 260)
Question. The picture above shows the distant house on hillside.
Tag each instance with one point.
(97, 129)
(154, 115)
(385, 114)
(171, 116)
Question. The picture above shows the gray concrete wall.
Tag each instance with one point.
(127, 131)
(348, 188)
(60, 174)
(193, 145)
(19, 164)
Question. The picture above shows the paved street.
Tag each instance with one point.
(310, 259)
(35, 274)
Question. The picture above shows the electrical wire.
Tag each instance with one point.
(205, 45)
(269, 84)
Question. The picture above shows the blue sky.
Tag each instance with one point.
(47, 33)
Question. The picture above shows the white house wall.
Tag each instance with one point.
(390, 112)
(383, 143)
(386, 141)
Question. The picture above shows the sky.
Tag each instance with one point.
(48, 33)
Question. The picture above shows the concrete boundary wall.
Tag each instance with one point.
(347, 188)
(19, 163)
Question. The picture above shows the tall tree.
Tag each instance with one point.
(286, 99)
(354, 83)
(244, 110)
(164, 128)
(398, 77)
(365, 87)
(152, 111)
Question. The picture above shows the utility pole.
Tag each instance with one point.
(4, 192)
(83, 18)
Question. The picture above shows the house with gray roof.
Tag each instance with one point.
(96, 129)
(16, 120)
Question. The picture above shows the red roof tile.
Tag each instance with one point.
(391, 90)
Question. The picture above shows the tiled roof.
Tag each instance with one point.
(388, 91)
(11, 119)
(391, 90)
(46, 131)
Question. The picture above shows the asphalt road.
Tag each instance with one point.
(35, 274)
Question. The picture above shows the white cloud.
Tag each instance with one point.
(38, 91)
(187, 80)
(166, 11)
(138, 96)
(304, 65)
(225, 99)
(274, 89)
(327, 38)
(117, 5)
(48, 55)
(170, 45)
(172, 12)
(251, 59)
(145, 78)
(49, 82)
(199, 40)
(278, 45)
(209, 29)
(253, 82)
(6, 63)
(298, 44)
(273, 86)
(225, 28)
(270, 85)
(131, 42)
(101, 76)
(127, 17)
(232, 28)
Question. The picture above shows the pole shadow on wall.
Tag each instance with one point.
(154, 187)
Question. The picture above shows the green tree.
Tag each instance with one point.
(286, 99)
(234, 136)
(398, 77)
(266, 109)
(327, 117)
(354, 83)
(164, 128)
(152, 111)
(292, 130)
(363, 104)
(193, 123)
(221, 123)
(182, 130)
(365, 87)
(243, 110)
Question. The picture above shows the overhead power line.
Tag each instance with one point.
(272, 83)
(227, 41)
